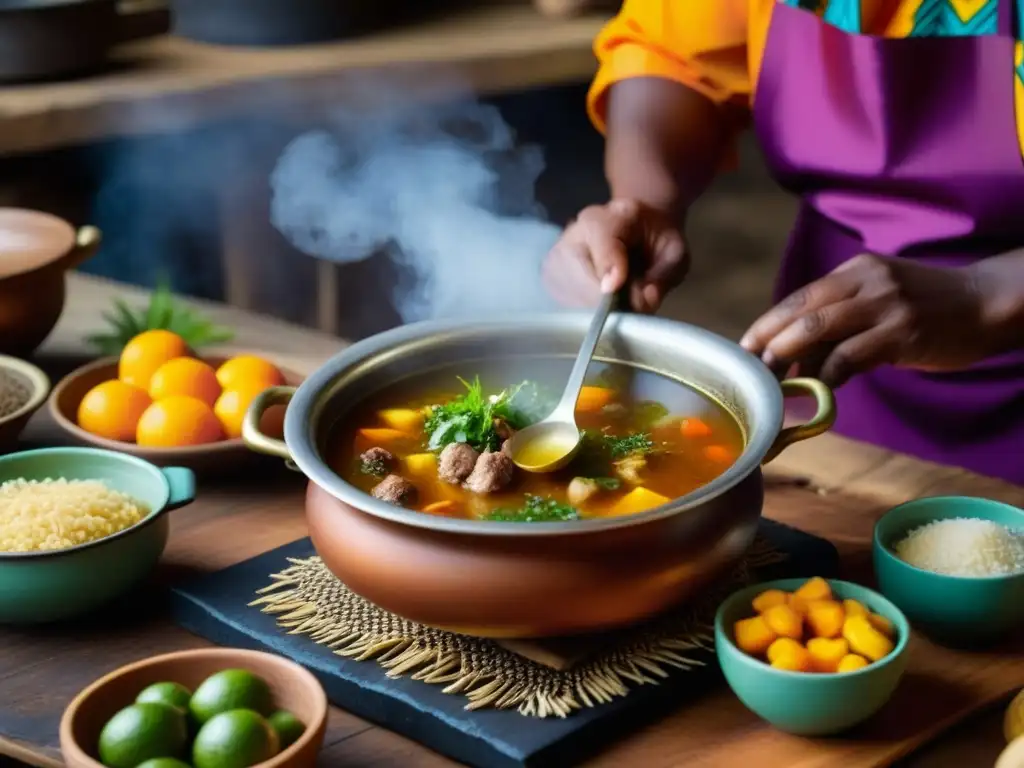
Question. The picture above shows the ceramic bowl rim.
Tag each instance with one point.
(902, 626)
(139, 464)
(179, 453)
(884, 550)
(39, 381)
(295, 669)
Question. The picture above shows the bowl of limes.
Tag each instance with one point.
(205, 708)
(164, 403)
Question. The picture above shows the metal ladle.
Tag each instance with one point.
(552, 443)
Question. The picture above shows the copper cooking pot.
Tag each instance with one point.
(516, 580)
(36, 250)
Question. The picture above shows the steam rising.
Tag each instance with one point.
(443, 191)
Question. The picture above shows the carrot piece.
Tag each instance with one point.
(694, 428)
(719, 453)
(594, 399)
(383, 435)
(444, 508)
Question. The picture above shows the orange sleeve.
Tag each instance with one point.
(699, 43)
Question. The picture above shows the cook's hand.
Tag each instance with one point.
(593, 256)
(872, 311)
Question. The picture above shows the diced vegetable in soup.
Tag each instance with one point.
(437, 445)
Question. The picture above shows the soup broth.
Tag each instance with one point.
(647, 439)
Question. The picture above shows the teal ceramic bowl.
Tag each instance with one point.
(804, 703)
(955, 610)
(38, 587)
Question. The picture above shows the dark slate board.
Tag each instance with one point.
(215, 607)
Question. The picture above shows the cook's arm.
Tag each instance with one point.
(671, 93)
(1000, 284)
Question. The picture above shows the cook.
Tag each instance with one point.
(900, 124)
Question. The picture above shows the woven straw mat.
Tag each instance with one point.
(308, 600)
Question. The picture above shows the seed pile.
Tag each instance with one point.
(15, 391)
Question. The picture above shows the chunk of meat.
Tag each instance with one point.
(456, 462)
(630, 469)
(493, 471)
(377, 460)
(395, 489)
(581, 490)
(506, 448)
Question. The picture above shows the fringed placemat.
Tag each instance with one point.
(308, 600)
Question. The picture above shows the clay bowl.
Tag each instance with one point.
(36, 250)
(294, 688)
(519, 580)
(23, 389)
(224, 457)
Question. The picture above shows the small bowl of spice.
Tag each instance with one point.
(23, 389)
(954, 565)
(80, 527)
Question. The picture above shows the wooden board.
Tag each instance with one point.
(170, 84)
(41, 670)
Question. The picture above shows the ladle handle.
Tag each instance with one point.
(567, 406)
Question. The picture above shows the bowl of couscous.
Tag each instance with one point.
(80, 527)
(23, 389)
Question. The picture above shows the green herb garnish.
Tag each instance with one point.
(164, 313)
(608, 483)
(536, 509)
(637, 444)
(470, 417)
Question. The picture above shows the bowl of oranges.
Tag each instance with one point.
(162, 402)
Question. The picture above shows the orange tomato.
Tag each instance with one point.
(185, 376)
(177, 421)
(112, 410)
(244, 371)
(145, 353)
(232, 405)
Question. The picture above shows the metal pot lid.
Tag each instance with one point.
(31, 239)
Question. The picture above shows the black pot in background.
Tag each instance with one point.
(46, 39)
(275, 22)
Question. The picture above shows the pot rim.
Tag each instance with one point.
(307, 402)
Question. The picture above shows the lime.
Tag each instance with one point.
(288, 727)
(172, 694)
(141, 732)
(230, 689)
(163, 762)
(235, 739)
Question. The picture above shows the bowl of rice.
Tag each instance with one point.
(954, 565)
(23, 389)
(80, 527)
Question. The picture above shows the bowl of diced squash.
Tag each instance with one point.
(813, 657)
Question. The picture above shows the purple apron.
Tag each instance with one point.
(903, 148)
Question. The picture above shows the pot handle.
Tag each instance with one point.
(181, 483)
(256, 440)
(819, 423)
(87, 242)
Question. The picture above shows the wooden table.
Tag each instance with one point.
(171, 84)
(41, 670)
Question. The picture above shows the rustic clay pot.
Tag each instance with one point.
(36, 249)
(516, 580)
